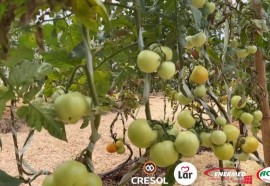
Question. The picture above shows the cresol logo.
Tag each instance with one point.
(264, 175)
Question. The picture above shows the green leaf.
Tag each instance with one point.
(197, 15)
(86, 121)
(39, 114)
(213, 55)
(59, 59)
(23, 74)
(7, 180)
(31, 93)
(4, 98)
(43, 70)
(170, 175)
(103, 81)
(17, 55)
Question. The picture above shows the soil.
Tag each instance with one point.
(46, 152)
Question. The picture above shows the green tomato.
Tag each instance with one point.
(70, 107)
(251, 144)
(242, 156)
(220, 120)
(164, 50)
(121, 150)
(205, 138)
(210, 7)
(234, 43)
(198, 3)
(93, 180)
(48, 181)
(70, 173)
(163, 154)
(148, 61)
(242, 53)
(57, 93)
(224, 152)
(185, 119)
(236, 112)
(166, 70)
(200, 91)
(258, 115)
(141, 134)
(187, 143)
(231, 131)
(237, 102)
(89, 106)
(246, 118)
(218, 137)
(182, 99)
(228, 164)
(198, 40)
(252, 49)
(188, 44)
(256, 123)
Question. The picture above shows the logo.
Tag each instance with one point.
(229, 174)
(149, 168)
(264, 175)
(185, 173)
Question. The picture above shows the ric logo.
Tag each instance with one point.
(185, 173)
(264, 175)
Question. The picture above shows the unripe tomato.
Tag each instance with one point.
(231, 131)
(166, 70)
(205, 138)
(141, 134)
(70, 173)
(246, 118)
(198, 39)
(148, 61)
(48, 181)
(251, 144)
(93, 180)
(258, 115)
(182, 99)
(242, 53)
(185, 119)
(119, 143)
(220, 120)
(198, 3)
(121, 150)
(237, 102)
(218, 137)
(187, 143)
(163, 154)
(200, 91)
(242, 156)
(224, 152)
(70, 107)
(252, 49)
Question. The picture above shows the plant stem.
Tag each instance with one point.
(93, 92)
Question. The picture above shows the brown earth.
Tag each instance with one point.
(46, 152)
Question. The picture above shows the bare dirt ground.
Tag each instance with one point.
(46, 152)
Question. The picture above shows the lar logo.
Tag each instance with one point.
(264, 175)
(149, 168)
(185, 173)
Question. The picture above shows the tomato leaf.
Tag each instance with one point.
(39, 114)
(197, 15)
(170, 175)
(7, 180)
(4, 98)
(23, 74)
